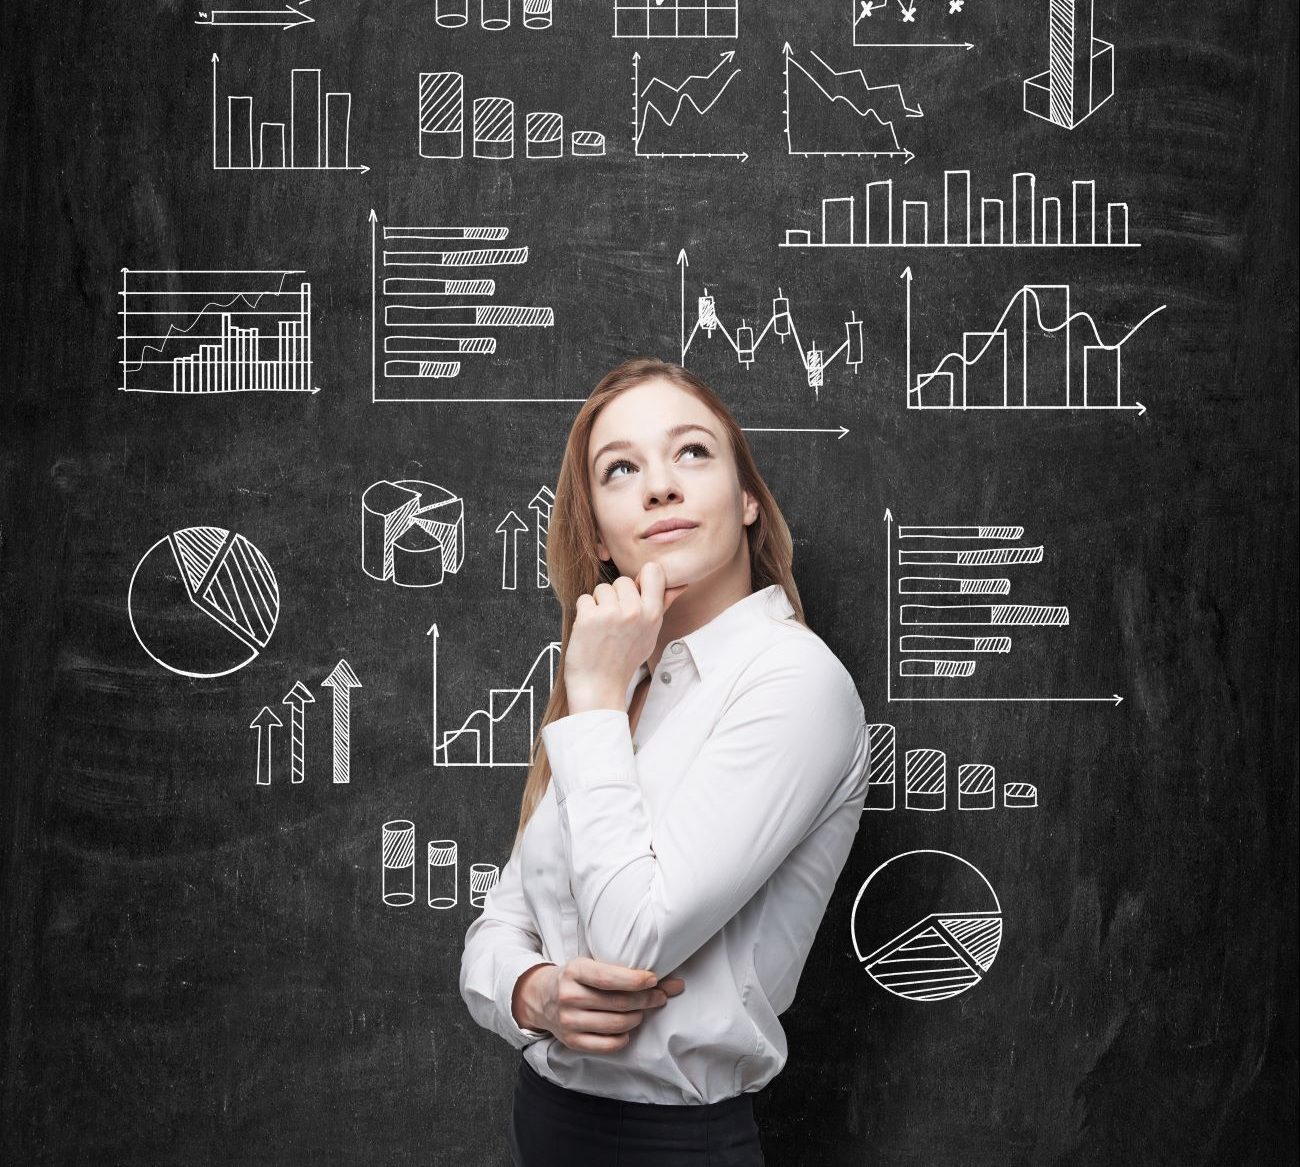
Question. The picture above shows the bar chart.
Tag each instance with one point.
(925, 782)
(492, 125)
(315, 136)
(431, 306)
(949, 619)
(502, 731)
(203, 332)
(1041, 354)
(1080, 74)
(1022, 216)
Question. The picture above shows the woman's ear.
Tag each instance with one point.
(751, 508)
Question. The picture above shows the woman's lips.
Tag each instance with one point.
(670, 536)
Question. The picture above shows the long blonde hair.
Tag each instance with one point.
(573, 561)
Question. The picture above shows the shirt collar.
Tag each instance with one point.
(711, 643)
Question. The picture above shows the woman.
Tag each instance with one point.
(696, 788)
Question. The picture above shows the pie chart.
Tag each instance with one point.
(926, 925)
(203, 602)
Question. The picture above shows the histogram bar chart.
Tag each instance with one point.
(1022, 217)
(315, 136)
(203, 332)
(1041, 353)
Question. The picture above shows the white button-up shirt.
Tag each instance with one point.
(704, 846)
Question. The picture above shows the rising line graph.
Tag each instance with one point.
(699, 92)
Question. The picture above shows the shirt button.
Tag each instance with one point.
(676, 646)
(666, 677)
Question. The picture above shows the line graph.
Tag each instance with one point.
(1041, 354)
(780, 324)
(501, 733)
(660, 116)
(215, 331)
(839, 112)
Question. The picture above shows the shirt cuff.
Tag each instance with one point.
(509, 970)
(589, 749)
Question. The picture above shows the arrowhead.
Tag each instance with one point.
(907, 156)
(905, 274)
(215, 58)
(786, 48)
(636, 56)
(843, 430)
(969, 46)
(341, 678)
(365, 170)
(744, 157)
(543, 498)
(266, 718)
(889, 515)
(729, 54)
(512, 522)
(681, 257)
(433, 630)
(373, 217)
(1118, 698)
(299, 695)
(1141, 409)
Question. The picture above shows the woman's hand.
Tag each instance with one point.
(614, 631)
(587, 1004)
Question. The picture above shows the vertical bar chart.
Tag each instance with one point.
(192, 332)
(315, 137)
(964, 216)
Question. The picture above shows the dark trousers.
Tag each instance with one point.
(554, 1127)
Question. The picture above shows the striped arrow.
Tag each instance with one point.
(342, 680)
(296, 698)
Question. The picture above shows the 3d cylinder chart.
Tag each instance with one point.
(926, 782)
(407, 870)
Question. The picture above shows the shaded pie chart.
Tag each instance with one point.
(926, 925)
(203, 602)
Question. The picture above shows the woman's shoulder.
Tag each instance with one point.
(794, 648)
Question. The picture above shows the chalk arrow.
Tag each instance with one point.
(296, 698)
(509, 529)
(342, 680)
(264, 722)
(540, 504)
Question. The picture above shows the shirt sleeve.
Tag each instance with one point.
(792, 736)
(500, 946)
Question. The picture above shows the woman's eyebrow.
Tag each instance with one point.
(671, 432)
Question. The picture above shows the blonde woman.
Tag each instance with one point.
(693, 796)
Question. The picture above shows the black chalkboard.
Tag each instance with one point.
(205, 960)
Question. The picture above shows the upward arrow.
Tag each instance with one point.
(509, 529)
(342, 680)
(264, 722)
(296, 698)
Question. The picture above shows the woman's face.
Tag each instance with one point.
(657, 453)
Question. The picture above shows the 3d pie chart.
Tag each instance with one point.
(926, 925)
(203, 602)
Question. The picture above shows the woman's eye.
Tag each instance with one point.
(620, 463)
(697, 447)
